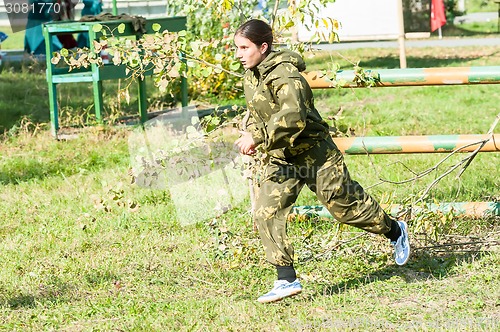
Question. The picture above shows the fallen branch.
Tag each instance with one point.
(446, 245)
(465, 162)
(338, 245)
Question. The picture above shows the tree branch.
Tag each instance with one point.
(465, 162)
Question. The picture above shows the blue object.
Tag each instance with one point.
(34, 42)
(91, 7)
(3, 36)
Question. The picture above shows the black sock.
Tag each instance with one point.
(395, 231)
(286, 273)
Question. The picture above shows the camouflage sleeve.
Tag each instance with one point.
(287, 124)
(252, 127)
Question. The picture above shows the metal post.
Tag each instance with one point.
(401, 36)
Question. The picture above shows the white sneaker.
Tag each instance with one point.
(402, 245)
(281, 289)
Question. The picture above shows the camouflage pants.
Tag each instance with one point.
(323, 170)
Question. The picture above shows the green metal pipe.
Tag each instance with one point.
(416, 144)
(469, 209)
(115, 8)
(409, 77)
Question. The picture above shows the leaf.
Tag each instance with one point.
(173, 72)
(56, 57)
(127, 96)
(117, 59)
(331, 38)
(195, 46)
(162, 84)
(97, 27)
(207, 71)
(336, 24)
(235, 65)
(121, 28)
(156, 27)
(227, 5)
(64, 52)
(97, 46)
(134, 62)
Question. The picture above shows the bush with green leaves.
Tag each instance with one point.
(206, 45)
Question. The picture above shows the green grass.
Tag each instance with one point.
(15, 40)
(29, 102)
(476, 6)
(83, 249)
(474, 29)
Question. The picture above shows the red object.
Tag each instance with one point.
(438, 16)
(67, 40)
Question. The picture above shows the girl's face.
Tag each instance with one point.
(248, 53)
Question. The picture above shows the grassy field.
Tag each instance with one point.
(15, 40)
(84, 249)
(476, 6)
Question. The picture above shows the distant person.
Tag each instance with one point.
(65, 13)
(90, 8)
(3, 36)
(286, 127)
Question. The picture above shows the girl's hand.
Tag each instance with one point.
(245, 143)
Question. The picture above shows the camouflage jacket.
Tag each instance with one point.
(283, 120)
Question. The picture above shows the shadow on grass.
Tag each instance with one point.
(483, 29)
(22, 301)
(20, 171)
(58, 291)
(421, 267)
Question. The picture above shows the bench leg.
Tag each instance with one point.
(142, 100)
(54, 116)
(184, 85)
(184, 91)
(97, 88)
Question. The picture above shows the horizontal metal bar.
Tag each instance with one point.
(471, 209)
(408, 77)
(417, 144)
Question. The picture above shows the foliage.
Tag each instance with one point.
(452, 10)
(205, 45)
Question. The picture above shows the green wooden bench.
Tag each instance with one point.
(96, 74)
